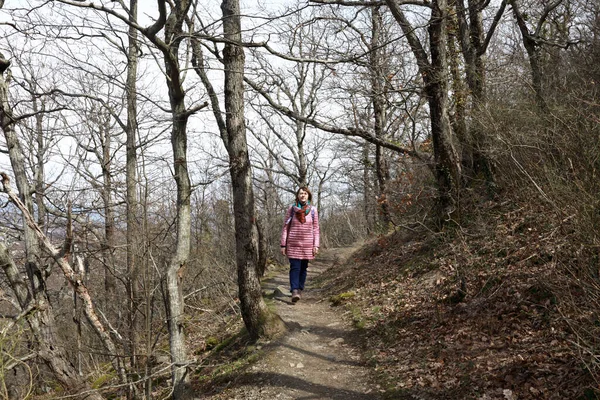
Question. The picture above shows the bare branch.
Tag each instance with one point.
(350, 131)
(492, 29)
(33, 114)
(152, 30)
(547, 10)
(195, 109)
(358, 3)
(412, 38)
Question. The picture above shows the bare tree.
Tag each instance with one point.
(533, 40)
(379, 72)
(131, 181)
(258, 319)
(474, 42)
(33, 293)
(433, 70)
(298, 86)
(172, 23)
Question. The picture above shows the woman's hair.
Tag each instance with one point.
(306, 190)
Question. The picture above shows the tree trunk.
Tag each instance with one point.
(302, 167)
(474, 44)
(460, 94)
(370, 218)
(533, 52)
(261, 266)
(132, 233)
(109, 212)
(178, 263)
(182, 250)
(257, 317)
(379, 115)
(434, 74)
(447, 165)
(40, 185)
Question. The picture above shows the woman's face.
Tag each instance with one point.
(302, 196)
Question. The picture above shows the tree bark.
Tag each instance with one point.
(261, 266)
(131, 182)
(474, 42)
(107, 200)
(258, 319)
(40, 185)
(174, 276)
(460, 95)
(448, 169)
(379, 116)
(533, 52)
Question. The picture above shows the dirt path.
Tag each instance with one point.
(319, 357)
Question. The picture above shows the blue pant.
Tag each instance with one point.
(298, 272)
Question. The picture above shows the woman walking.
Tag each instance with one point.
(300, 239)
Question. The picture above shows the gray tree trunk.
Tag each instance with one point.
(533, 52)
(174, 34)
(447, 161)
(434, 74)
(474, 42)
(378, 77)
(257, 317)
(107, 199)
(131, 182)
(40, 185)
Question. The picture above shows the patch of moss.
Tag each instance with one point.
(229, 359)
(357, 318)
(225, 343)
(271, 324)
(103, 379)
(211, 342)
(339, 299)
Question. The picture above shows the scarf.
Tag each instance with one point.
(301, 211)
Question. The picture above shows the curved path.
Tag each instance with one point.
(318, 358)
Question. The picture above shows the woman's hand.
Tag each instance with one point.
(283, 251)
(315, 251)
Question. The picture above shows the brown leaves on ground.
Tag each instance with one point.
(476, 312)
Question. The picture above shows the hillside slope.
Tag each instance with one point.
(479, 311)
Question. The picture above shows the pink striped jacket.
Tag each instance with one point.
(300, 238)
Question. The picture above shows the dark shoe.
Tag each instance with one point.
(295, 295)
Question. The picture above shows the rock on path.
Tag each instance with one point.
(318, 358)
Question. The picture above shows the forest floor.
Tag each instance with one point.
(320, 356)
(495, 309)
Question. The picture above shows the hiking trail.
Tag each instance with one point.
(320, 355)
